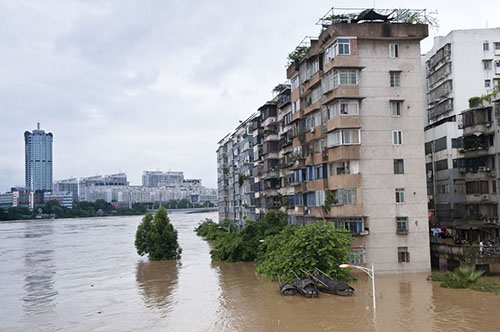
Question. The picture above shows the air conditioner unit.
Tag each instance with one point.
(312, 130)
(462, 170)
(488, 124)
(488, 169)
(482, 169)
(485, 197)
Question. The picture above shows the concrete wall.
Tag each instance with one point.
(377, 154)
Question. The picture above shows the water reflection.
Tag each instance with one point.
(156, 280)
(39, 269)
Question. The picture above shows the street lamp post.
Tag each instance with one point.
(371, 274)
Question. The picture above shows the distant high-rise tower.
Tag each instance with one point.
(38, 159)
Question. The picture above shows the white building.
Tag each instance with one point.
(460, 65)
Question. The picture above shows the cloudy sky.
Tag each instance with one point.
(153, 85)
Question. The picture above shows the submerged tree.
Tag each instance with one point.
(157, 237)
(319, 245)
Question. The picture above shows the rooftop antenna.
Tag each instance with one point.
(38, 125)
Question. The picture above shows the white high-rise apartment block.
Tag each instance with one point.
(460, 65)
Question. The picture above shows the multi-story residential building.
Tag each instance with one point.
(38, 159)
(67, 185)
(235, 157)
(8, 200)
(462, 64)
(480, 148)
(160, 179)
(353, 138)
(64, 198)
(86, 185)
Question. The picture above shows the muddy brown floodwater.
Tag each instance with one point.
(84, 275)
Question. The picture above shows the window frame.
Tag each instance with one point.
(401, 225)
(394, 50)
(398, 139)
(486, 46)
(400, 195)
(396, 105)
(399, 164)
(395, 79)
(403, 255)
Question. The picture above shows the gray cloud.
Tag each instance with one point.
(136, 85)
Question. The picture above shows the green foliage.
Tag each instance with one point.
(329, 201)
(242, 178)
(462, 277)
(297, 54)
(486, 285)
(234, 245)
(211, 231)
(474, 102)
(318, 245)
(157, 237)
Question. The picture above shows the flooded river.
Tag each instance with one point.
(84, 275)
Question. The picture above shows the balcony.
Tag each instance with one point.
(312, 81)
(481, 199)
(316, 185)
(284, 100)
(344, 121)
(312, 107)
(401, 231)
(314, 158)
(343, 61)
(297, 115)
(314, 133)
(344, 152)
(340, 92)
(344, 181)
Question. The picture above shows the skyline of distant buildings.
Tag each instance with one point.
(157, 186)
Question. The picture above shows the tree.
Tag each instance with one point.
(318, 245)
(157, 237)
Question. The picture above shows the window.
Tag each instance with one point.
(497, 46)
(396, 108)
(343, 137)
(394, 50)
(350, 136)
(343, 46)
(394, 79)
(357, 256)
(343, 107)
(345, 196)
(486, 46)
(403, 254)
(399, 166)
(487, 83)
(329, 53)
(347, 76)
(497, 64)
(487, 64)
(397, 137)
(295, 83)
(296, 106)
(402, 225)
(400, 195)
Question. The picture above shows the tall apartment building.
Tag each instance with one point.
(159, 178)
(38, 159)
(67, 185)
(480, 148)
(461, 65)
(86, 185)
(235, 180)
(352, 137)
